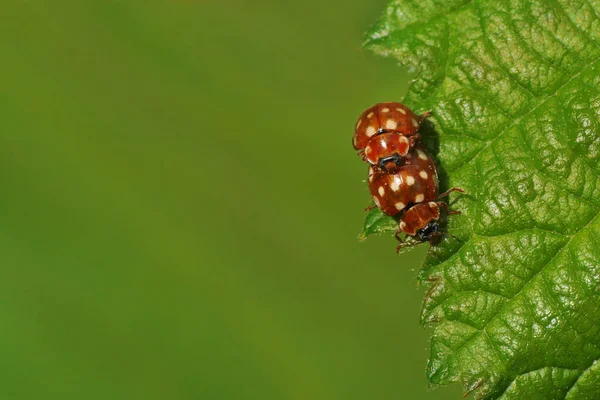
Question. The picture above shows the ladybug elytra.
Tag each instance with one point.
(414, 182)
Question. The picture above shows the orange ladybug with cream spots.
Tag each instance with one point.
(384, 117)
(414, 182)
(420, 223)
(385, 132)
(418, 217)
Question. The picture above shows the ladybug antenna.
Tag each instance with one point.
(439, 234)
(451, 235)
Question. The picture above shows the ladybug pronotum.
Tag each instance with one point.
(421, 220)
(396, 124)
(387, 150)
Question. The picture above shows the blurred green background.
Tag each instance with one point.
(181, 202)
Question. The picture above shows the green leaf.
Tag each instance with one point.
(377, 222)
(514, 86)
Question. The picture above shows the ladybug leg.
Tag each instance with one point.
(414, 139)
(398, 238)
(425, 115)
(448, 212)
(402, 243)
(361, 154)
(372, 206)
(447, 192)
(400, 246)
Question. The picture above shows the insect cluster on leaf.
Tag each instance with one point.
(403, 177)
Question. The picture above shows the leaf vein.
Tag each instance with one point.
(518, 120)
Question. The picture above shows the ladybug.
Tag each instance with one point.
(385, 132)
(414, 182)
(420, 223)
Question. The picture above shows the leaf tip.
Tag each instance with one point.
(363, 236)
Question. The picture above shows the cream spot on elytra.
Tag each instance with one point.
(401, 110)
(371, 176)
(410, 180)
(415, 123)
(376, 200)
(422, 155)
(391, 124)
(423, 175)
(370, 115)
(371, 131)
(358, 123)
(400, 206)
(396, 185)
(419, 198)
(385, 110)
(381, 190)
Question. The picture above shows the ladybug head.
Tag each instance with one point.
(390, 164)
(428, 232)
